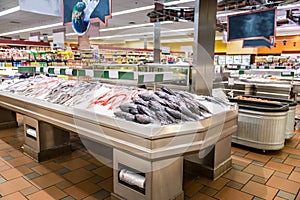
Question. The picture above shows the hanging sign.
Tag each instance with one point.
(59, 36)
(257, 43)
(35, 37)
(80, 13)
(260, 24)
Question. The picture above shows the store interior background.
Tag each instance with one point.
(130, 25)
(254, 175)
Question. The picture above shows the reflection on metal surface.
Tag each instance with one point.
(31, 132)
(132, 178)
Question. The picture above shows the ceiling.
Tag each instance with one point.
(21, 22)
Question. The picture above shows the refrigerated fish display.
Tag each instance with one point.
(161, 107)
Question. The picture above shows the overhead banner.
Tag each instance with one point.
(257, 43)
(81, 13)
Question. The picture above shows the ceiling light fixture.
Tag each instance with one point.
(132, 10)
(132, 26)
(9, 11)
(177, 40)
(119, 28)
(15, 9)
(68, 34)
(71, 34)
(32, 29)
(172, 3)
(285, 7)
(59, 24)
(144, 33)
(120, 36)
(149, 7)
(288, 28)
(132, 40)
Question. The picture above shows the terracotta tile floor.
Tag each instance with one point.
(254, 174)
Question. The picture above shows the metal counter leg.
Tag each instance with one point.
(140, 179)
(216, 163)
(44, 141)
(8, 119)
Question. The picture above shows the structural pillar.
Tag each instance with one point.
(204, 44)
(156, 42)
(145, 42)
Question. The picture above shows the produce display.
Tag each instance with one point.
(162, 107)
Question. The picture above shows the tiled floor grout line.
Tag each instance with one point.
(268, 178)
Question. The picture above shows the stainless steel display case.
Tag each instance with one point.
(239, 88)
(261, 125)
(181, 72)
(149, 147)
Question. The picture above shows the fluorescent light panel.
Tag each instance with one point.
(177, 40)
(59, 24)
(149, 7)
(132, 40)
(137, 34)
(9, 11)
(133, 10)
(120, 28)
(172, 3)
(15, 9)
(120, 36)
(132, 26)
(32, 29)
(288, 6)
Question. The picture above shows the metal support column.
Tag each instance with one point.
(204, 44)
(156, 42)
(145, 42)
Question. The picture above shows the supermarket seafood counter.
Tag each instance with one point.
(139, 150)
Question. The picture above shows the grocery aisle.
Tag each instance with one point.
(274, 175)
